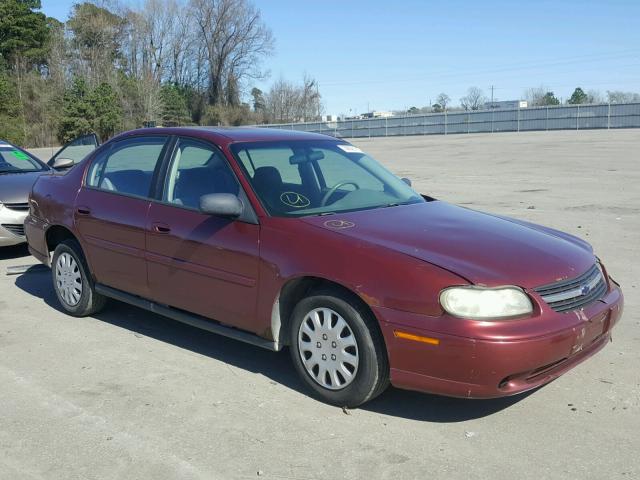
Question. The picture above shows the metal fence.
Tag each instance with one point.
(565, 117)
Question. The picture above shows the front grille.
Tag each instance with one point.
(575, 293)
(16, 229)
(20, 207)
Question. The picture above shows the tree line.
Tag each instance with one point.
(113, 68)
(541, 96)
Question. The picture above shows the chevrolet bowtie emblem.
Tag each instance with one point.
(339, 224)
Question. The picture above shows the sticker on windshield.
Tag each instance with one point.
(349, 149)
(295, 200)
(20, 155)
(4, 145)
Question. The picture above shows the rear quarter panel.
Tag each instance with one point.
(52, 202)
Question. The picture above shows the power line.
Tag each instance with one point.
(512, 67)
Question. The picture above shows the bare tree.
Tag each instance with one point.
(594, 96)
(310, 106)
(235, 40)
(443, 100)
(282, 101)
(616, 96)
(145, 47)
(287, 102)
(182, 57)
(473, 100)
(535, 96)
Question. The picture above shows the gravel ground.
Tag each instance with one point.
(128, 394)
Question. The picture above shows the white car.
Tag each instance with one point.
(18, 172)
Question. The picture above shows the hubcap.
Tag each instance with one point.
(68, 279)
(328, 348)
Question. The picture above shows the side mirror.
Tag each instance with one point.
(221, 204)
(406, 180)
(62, 163)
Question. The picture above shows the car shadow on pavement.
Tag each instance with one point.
(436, 408)
(16, 251)
(276, 366)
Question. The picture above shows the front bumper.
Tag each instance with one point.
(473, 367)
(12, 226)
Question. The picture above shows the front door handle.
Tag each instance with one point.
(161, 228)
(84, 210)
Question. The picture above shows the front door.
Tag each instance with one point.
(111, 211)
(75, 151)
(202, 263)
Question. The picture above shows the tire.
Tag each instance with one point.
(72, 281)
(332, 347)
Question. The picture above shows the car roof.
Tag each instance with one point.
(234, 134)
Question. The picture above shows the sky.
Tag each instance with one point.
(391, 55)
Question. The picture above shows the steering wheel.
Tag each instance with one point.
(333, 189)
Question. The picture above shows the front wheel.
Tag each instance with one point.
(338, 350)
(72, 283)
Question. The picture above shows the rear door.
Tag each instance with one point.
(76, 150)
(111, 210)
(197, 262)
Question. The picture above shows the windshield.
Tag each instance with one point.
(15, 160)
(319, 177)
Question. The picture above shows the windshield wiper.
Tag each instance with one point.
(396, 204)
(17, 171)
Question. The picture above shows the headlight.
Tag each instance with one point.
(485, 303)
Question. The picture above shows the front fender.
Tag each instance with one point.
(379, 276)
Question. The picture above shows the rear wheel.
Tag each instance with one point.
(72, 283)
(337, 349)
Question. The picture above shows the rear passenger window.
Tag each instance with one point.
(128, 167)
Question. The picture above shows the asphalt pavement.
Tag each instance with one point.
(129, 394)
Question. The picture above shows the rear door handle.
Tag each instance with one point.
(84, 210)
(161, 228)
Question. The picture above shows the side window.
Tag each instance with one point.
(197, 169)
(77, 149)
(260, 159)
(128, 166)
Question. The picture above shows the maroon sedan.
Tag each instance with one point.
(292, 239)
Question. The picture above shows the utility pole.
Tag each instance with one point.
(493, 109)
(318, 99)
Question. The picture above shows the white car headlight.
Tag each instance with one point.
(485, 303)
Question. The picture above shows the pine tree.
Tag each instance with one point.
(11, 118)
(174, 106)
(106, 110)
(77, 112)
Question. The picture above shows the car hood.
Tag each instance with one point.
(484, 249)
(15, 187)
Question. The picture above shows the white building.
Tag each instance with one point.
(377, 114)
(506, 105)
